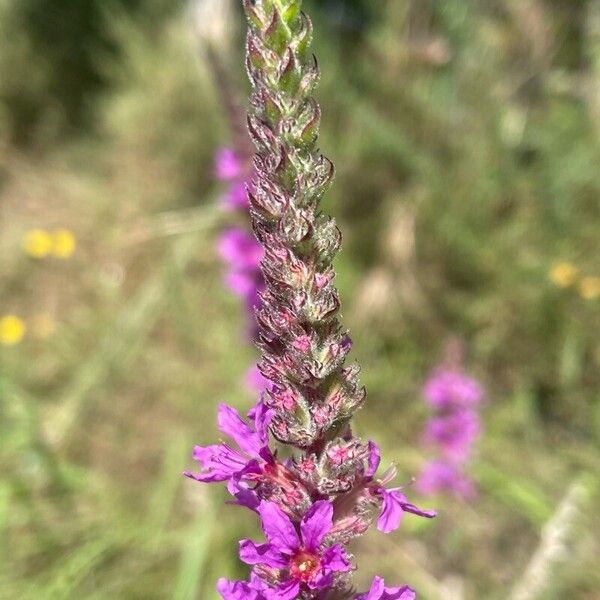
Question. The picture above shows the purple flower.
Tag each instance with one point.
(453, 430)
(441, 476)
(221, 462)
(255, 380)
(228, 165)
(453, 433)
(393, 502)
(236, 197)
(240, 249)
(241, 283)
(311, 391)
(243, 254)
(447, 388)
(300, 560)
(379, 591)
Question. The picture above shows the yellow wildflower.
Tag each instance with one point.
(12, 330)
(563, 274)
(37, 243)
(589, 288)
(63, 243)
(42, 326)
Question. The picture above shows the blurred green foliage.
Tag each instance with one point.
(62, 44)
(465, 135)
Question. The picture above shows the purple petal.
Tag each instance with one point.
(400, 593)
(411, 508)
(266, 454)
(287, 590)
(394, 506)
(231, 424)
(316, 524)
(241, 284)
(321, 582)
(336, 559)
(256, 583)
(447, 388)
(391, 513)
(374, 459)
(262, 554)
(236, 590)
(240, 249)
(439, 476)
(255, 380)
(219, 462)
(227, 164)
(278, 528)
(236, 196)
(261, 415)
(454, 433)
(247, 498)
(238, 481)
(378, 591)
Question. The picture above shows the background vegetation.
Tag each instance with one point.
(466, 139)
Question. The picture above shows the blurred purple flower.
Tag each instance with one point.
(236, 197)
(228, 165)
(240, 249)
(454, 433)
(440, 477)
(447, 388)
(237, 246)
(255, 380)
(242, 253)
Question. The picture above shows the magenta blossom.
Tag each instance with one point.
(236, 197)
(228, 165)
(256, 589)
(221, 462)
(394, 503)
(441, 476)
(255, 380)
(322, 492)
(240, 249)
(237, 590)
(295, 561)
(447, 388)
(242, 590)
(379, 591)
(453, 433)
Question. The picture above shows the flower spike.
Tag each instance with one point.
(324, 493)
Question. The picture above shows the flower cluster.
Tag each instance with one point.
(39, 243)
(295, 461)
(565, 275)
(452, 431)
(13, 328)
(237, 246)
